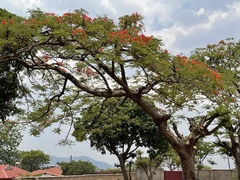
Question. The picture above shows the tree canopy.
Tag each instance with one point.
(224, 56)
(77, 167)
(72, 59)
(10, 88)
(33, 160)
(119, 127)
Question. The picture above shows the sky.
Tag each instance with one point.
(183, 25)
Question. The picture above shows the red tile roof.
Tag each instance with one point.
(54, 171)
(7, 171)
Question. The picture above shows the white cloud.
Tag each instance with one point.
(235, 6)
(26, 4)
(200, 12)
(107, 4)
(211, 28)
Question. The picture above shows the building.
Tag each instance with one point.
(51, 171)
(7, 171)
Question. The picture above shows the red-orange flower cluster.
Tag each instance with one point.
(78, 32)
(126, 37)
(67, 14)
(50, 14)
(59, 19)
(5, 22)
(215, 74)
(190, 63)
(86, 18)
(193, 64)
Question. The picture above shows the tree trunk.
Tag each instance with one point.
(238, 167)
(122, 166)
(185, 149)
(124, 172)
(198, 172)
(237, 154)
(187, 163)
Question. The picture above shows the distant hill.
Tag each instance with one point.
(98, 164)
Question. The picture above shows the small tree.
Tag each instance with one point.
(149, 164)
(204, 150)
(77, 167)
(119, 127)
(172, 160)
(10, 138)
(33, 160)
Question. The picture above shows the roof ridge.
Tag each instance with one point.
(4, 173)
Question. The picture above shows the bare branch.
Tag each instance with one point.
(180, 136)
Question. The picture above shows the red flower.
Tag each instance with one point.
(89, 71)
(66, 14)
(59, 19)
(78, 31)
(5, 22)
(100, 50)
(194, 62)
(216, 92)
(215, 74)
(11, 21)
(86, 18)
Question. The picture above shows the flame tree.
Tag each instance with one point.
(72, 59)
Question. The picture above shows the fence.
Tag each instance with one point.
(140, 175)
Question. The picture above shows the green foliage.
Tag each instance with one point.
(224, 56)
(119, 127)
(9, 91)
(204, 150)
(151, 163)
(77, 167)
(113, 124)
(172, 160)
(110, 171)
(10, 88)
(33, 160)
(10, 138)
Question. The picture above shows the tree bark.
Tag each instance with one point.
(187, 163)
(236, 156)
(122, 166)
(237, 152)
(185, 147)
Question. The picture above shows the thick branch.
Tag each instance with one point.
(75, 81)
(176, 131)
(216, 127)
